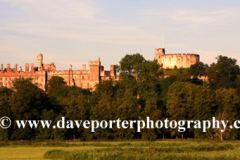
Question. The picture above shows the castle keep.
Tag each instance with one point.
(42, 73)
(175, 60)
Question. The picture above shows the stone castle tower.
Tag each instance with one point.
(39, 60)
(175, 60)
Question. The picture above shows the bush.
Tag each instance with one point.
(55, 154)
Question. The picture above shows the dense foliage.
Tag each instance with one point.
(142, 91)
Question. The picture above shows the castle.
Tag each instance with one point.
(42, 73)
(86, 79)
(175, 60)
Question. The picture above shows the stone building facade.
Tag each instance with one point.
(83, 78)
(42, 73)
(175, 60)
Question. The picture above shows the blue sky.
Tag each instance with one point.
(76, 31)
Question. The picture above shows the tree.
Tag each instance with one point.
(204, 107)
(77, 109)
(228, 102)
(154, 113)
(54, 84)
(126, 109)
(184, 77)
(59, 134)
(219, 132)
(149, 81)
(102, 111)
(140, 76)
(180, 99)
(107, 86)
(46, 133)
(5, 110)
(227, 108)
(63, 91)
(132, 65)
(237, 84)
(198, 69)
(224, 73)
(27, 103)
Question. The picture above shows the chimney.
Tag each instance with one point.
(2, 67)
(8, 67)
(112, 70)
(26, 68)
(70, 67)
(15, 67)
(32, 68)
(84, 67)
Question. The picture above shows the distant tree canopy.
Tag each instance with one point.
(54, 84)
(198, 69)
(130, 68)
(224, 73)
(27, 103)
(141, 92)
(132, 64)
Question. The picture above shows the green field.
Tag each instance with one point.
(167, 149)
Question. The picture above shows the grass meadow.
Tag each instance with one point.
(139, 150)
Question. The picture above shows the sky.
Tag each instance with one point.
(73, 32)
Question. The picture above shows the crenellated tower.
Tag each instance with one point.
(175, 60)
(94, 72)
(40, 61)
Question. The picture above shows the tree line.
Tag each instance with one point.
(140, 92)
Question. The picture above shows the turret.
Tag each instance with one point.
(39, 61)
(94, 70)
(159, 52)
(84, 67)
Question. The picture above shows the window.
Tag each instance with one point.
(82, 77)
(0, 79)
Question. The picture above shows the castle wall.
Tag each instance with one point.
(172, 60)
